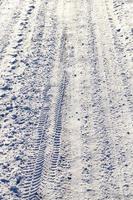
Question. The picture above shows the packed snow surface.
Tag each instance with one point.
(66, 99)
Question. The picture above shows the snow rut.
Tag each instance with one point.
(35, 169)
(66, 100)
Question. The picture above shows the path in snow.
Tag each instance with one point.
(66, 100)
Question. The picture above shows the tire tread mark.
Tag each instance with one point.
(49, 173)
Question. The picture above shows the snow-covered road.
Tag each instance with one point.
(66, 100)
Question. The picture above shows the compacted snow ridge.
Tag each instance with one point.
(66, 100)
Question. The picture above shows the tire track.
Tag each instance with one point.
(17, 25)
(125, 65)
(51, 154)
(34, 180)
(125, 72)
(105, 150)
(50, 164)
(104, 153)
(24, 105)
(121, 123)
(66, 94)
